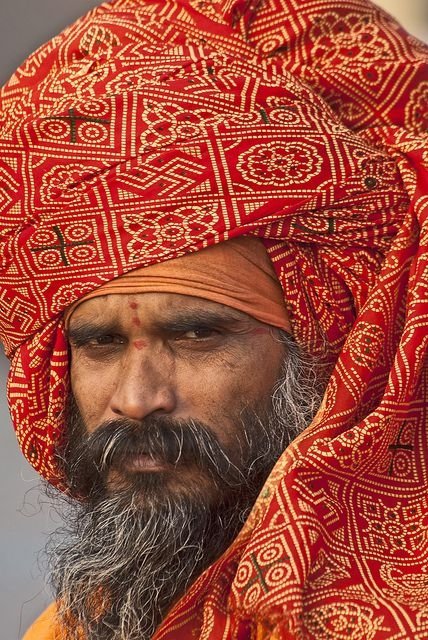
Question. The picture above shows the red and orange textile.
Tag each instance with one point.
(150, 129)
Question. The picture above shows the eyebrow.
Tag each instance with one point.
(186, 319)
(85, 331)
(181, 320)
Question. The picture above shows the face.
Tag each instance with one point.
(180, 409)
(143, 356)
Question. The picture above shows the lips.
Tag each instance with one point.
(143, 462)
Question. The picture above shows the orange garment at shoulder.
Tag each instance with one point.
(45, 627)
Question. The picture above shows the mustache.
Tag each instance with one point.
(174, 442)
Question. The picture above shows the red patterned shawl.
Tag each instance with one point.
(151, 129)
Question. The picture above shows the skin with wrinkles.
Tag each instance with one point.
(164, 496)
(184, 358)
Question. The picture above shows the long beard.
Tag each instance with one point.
(126, 563)
(133, 546)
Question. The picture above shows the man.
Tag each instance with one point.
(191, 238)
(179, 459)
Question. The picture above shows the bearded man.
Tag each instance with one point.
(213, 229)
(197, 401)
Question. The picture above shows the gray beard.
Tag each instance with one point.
(122, 561)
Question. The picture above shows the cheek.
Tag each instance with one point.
(266, 371)
(215, 392)
(91, 392)
(225, 384)
(204, 387)
(255, 373)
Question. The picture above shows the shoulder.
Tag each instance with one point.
(45, 627)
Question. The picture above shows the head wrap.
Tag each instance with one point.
(149, 130)
(236, 273)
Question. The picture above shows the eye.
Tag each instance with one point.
(95, 341)
(107, 339)
(199, 333)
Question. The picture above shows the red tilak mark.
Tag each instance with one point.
(139, 344)
(133, 305)
(136, 321)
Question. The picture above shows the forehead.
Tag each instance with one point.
(119, 308)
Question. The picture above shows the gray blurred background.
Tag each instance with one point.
(25, 24)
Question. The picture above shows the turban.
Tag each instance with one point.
(152, 129)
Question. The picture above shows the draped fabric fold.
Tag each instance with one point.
(148, 130)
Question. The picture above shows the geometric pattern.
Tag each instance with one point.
(147, 130)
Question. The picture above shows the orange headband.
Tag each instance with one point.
(237, 273)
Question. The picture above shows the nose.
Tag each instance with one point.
(144, 386)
